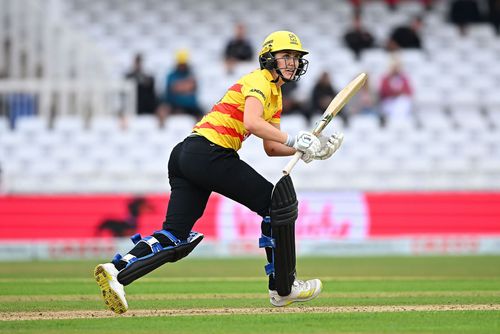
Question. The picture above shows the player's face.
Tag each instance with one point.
(287, 62)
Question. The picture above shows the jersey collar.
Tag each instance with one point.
(269, 77)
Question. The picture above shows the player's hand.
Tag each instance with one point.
(329, 145)
(306, 141)
(308, 144)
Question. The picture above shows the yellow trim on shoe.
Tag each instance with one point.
(111, 298)
(305, 294)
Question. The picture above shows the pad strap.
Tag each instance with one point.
(265, 241)
(153, 243)
(138, 267)
(170, 236)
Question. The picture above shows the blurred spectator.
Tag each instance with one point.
(428, 4)
(322, 94)
(395, 92)
(358, 38)
(20, 105)
(391, 4)
(357, 5)
(494, 14)
(181, 88)
(364, 102)
(406, 36)
(464, 12)
(146, 94)
(238, 48)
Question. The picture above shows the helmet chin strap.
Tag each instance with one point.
(280, 75)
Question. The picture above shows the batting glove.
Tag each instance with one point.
(329, 145)
(308, 144)
(306, 141)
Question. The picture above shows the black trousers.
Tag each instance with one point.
(196, 168)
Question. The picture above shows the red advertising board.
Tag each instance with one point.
(322, 215)
(437, 213)
(77, 216)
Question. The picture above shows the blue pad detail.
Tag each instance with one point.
(136, 238)
(153, 243)
(170, 236)
(117, 258)
(269, 268)
(138, 267)
(265, 241)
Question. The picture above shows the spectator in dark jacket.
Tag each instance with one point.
(358, 38)
(146, 94)
(464, 12)
(494, 14)
(406, 36)
(322, 94)
(238, 49)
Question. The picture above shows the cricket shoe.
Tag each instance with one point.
(112, 291)
(302, 291)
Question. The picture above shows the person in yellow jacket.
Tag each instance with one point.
(207, 161)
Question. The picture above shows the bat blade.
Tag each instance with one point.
(338, 102)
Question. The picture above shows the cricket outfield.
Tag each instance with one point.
(454, 294)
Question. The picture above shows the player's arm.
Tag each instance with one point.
(254, 122)
(274, 149)
(281, 143)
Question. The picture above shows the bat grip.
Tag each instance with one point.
(289, 166)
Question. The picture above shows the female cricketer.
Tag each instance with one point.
(207, 161)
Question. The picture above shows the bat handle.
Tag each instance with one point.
(289, 166)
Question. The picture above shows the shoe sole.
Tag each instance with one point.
(111, 298)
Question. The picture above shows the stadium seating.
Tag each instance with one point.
(453, 142)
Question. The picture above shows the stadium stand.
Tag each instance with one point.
(86, 137)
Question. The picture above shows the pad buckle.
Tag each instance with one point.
(265, 241)
(269, 268)
(136, 238)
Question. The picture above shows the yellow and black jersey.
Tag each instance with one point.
(223, 125)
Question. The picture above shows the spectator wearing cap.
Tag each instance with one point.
(181, 87)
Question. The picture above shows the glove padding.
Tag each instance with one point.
(308, 144)
(329, 145)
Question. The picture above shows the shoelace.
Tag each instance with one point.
(300, 284)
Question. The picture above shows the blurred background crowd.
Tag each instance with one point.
(93, 94)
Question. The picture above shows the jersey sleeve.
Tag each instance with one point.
(256, 87)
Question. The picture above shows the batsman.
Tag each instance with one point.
(207, 161)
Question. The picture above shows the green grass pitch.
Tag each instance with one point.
(454, 294)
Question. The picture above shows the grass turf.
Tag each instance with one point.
(239, 283)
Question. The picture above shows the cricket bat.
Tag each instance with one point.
(338, 102)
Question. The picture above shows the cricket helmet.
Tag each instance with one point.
(280, 41)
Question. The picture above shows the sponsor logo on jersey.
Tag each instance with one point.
(258, 91)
